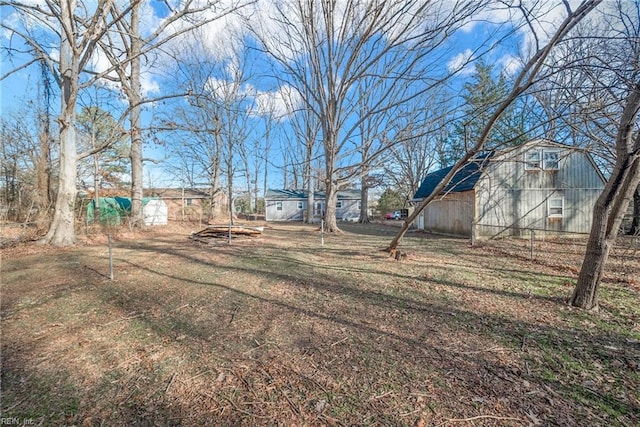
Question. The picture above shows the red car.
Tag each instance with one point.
(393, 215)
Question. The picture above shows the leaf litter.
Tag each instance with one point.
(281, 329)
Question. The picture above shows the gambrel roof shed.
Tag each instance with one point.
(540, 185)
(464, 180)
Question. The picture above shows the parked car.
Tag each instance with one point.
(394, 215)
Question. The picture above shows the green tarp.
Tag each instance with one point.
(112, 210)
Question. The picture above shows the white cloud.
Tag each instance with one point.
(510, 64)
(279, 104)
(541, 22)
(461, 63)
(148, 85)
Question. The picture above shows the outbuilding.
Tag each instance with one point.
(540, 185)
(113, 210)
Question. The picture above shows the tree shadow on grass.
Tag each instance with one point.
(362, 351)
(549, 340)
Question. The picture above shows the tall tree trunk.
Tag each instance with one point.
(635, 222)
(311, 201)
(214, 194)
(364, 196)
(61, 231)
(135, 98)
(43, 196)
(43, 173)
(611, 206)
(229, 166)
(308, 175)
(265, 185)
(330, 221)
(215, 191)
(96, 187)
(249, 186)
(230, 192)
(607, 218)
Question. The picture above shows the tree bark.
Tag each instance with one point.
(43, 173)
(310, 198)
(635, 222)
(330, 221)
(607, 218)
(611, 206)
(62, 229)
(364, 199)
(135, 98)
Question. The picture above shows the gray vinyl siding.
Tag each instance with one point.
(509, 199)
(349, 210)
(509, 196)
(289, 212)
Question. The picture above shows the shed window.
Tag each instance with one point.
(188, 202)
(339, 204)
(551, 160)
(359, 204)
(532, 160)
(278, 206)
(555, 207)
(300, 205)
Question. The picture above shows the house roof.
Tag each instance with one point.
(464, 180)
(178, 193)
(302, 194)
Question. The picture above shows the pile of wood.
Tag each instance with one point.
(222, 231)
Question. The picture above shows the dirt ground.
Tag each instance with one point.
(281, 329)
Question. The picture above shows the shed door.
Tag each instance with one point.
(420, 221)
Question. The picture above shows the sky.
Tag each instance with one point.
(217, 38)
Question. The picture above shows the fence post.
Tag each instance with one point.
(110, 255)
(473, 233)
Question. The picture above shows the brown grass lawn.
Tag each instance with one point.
(280, 330)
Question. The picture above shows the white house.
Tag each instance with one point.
(290, 205)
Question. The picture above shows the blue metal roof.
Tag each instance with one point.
(464, 180)
(302, 194)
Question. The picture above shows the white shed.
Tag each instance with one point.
(155, 212)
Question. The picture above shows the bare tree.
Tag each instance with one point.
(326, 48)
(127, 46)
(43, 194)
(422, 135)
(24, 159)
(529, 75)
(304, 147)
(634, 229)
(612, 74)
(211, 128)
(79, 28)
(375, 135)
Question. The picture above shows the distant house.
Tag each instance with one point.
(290, 205)
(186, 204)
(540, 185)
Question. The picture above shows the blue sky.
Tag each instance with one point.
(23, 85)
